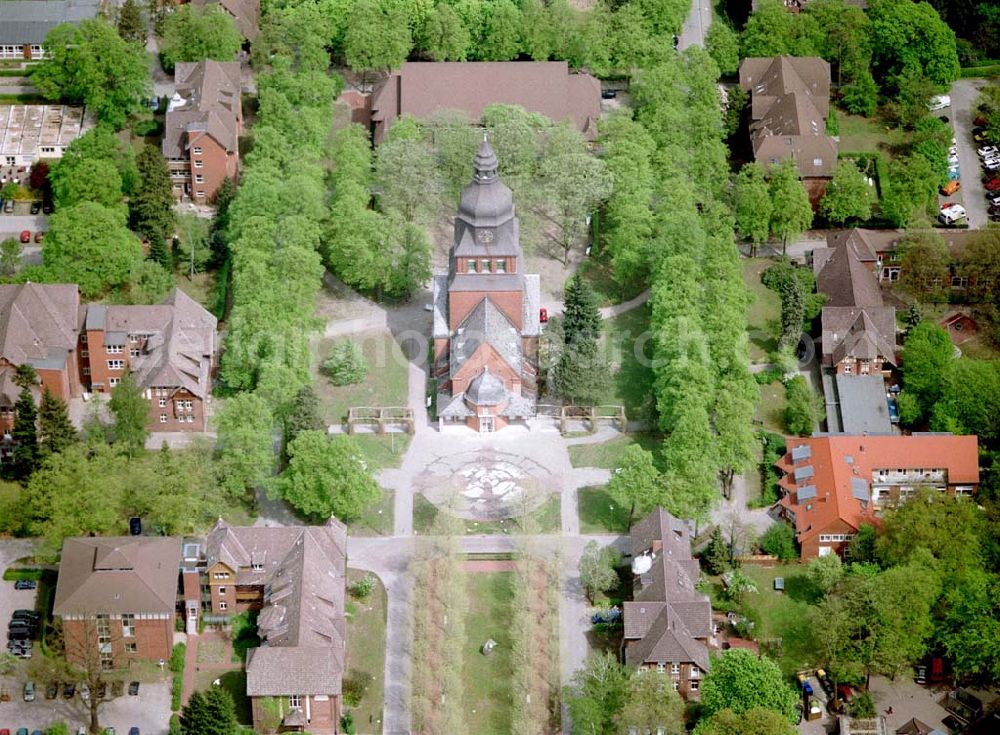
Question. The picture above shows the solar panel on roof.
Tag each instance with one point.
(803, 473)
(803, 451)
(859, 488)
(806, 493)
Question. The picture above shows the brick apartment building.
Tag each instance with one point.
(75, 348)
(833, 484)
(204, 122)
(295, 577)
(117, 597)
(668, 623)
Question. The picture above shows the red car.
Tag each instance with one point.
(25, 236)
(39, 235)
(993, 184)
(844, 692)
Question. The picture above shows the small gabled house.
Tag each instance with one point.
(668, 623)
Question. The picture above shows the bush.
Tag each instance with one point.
(345, 365)
(363, 587)
(774, 448)
(779, 540)
(347, 724)
(13, 574)
(177, 667)
(804, 409)
(353, 688)
(175, 725)
(177, 658)
(146, 128)
(862, 705)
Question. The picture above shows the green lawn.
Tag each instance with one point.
(201, 287)
(598, 275)
(377, 520)
(771, 407)
(487, 678)
(764, 317)
(860, 134)
(632, 382)
(385, 384)
(366, 654)
(545, 519)
(383, 450)
(784, 615)
(599, 513)
(607, 455)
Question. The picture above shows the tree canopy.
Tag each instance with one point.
(193, 33)
(741, 681)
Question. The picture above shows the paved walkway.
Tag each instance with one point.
(696, 25)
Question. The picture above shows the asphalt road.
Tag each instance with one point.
(972, 195)
(696, 25)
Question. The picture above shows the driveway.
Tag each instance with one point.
(11, 225)
(964, 94)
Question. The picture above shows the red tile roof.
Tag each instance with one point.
(824, 492)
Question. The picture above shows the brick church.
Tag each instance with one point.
(486, 311)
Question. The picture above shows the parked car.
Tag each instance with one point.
(38, 236)
(939, 102)
(46, 207)
(950, 188)
(953, 174)
(993, 199)
(844, 692)
(951, 214)
(134, 526)
(84, 692)
(29, 691)
(981, 136)
(992, 184)
(25, 236)
(921, 674)
(52, 690)
(25, 584)
(69, 689)
(117, 688)
(8, 207)
(133, 688)
(608, 94)
(30, 614)
(133, 730)
(986, 150)
(36, 207)
(22, 731)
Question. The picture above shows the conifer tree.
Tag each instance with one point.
(152, 206)
(131, 24)
(25, 435)
(56, 432)
(582, 372)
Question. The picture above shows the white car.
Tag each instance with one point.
(951, 213)
(993, 200)
(939, 102)
(987, 151)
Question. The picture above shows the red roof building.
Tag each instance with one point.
(833, 484)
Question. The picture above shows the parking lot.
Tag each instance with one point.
(972, 195)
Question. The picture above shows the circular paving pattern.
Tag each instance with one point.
(486, 484)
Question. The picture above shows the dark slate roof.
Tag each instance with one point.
(486, 225)
(863, 407)
(847, 281)
(864, 333)
(486, 324)
(38, 323)
(29, 21)
(486, 389)
(120, 574)
(206, 102)
(245, 13)
(668, 615)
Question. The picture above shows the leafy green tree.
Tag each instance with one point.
(741, 681)
(911, 35)
(538, 29)
(346, 364)
(779, 540)
(86, 180)
(843, 37)
(210, 712)
(327, 476)
(636, 484)
(598, 569)
(131, 23)
(862, 546)
(848, 195)
(407, 179)
(772, 31)
(756, 721)
(980, 260)
(652, 705)
(804, 409)
(753, 205)
(825, 572)
(25, 435)
(575, 184)
(925, 266)
(194, 34)
(926, 355)
(100, 142)
(970, 399)
(245, 444)
(151, 208)
(131, 413)
(91, 64)
(791, 213)
(860, 95)
(148, 283)
(444, 37)
(89, 245)
(501, 30)
(377, 36)
(969, 630)
(724, 46)
(10, 256)
(597, 694)
(55, 431)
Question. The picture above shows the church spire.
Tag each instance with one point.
(486, 162)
